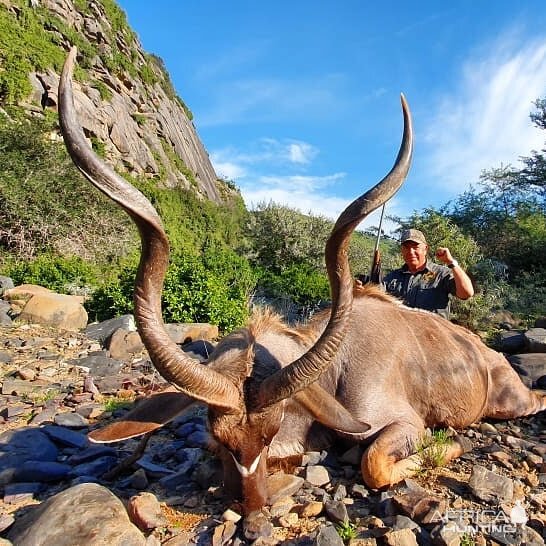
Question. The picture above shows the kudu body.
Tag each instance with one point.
(368, 368)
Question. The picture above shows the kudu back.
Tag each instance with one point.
(368, 368)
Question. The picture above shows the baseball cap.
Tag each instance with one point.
(412, 235)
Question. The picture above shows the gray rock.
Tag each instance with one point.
(317, 475)
(65, 436)
(124, 344)
(91, 453)
(523, 535)
(328, 536)
(5, 319)
(41, 471)
(101, 331)
(401, 537)
(70, 420)
(85, 514)
(535, 340)
(511, 342)
(5, 284)
(95, 468)
(490, 487)
(530, 367)
(25, 444)
(99, 364)
(145, 512)
(336, 511)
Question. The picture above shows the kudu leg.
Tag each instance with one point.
(392, 457)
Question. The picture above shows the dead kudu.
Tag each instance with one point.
(368, 369)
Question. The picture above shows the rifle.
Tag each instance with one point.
(375, 273)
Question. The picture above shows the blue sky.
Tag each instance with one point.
(298, 101)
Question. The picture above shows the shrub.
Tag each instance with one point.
(61, 274)
(213, 288)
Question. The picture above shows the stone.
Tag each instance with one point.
(5, 284)
(282, 507)
(490, 487)
(311, 509)
(420, 506)
(65, 436)
(19, 387)
(123, 344)
(145, 512)
(230, 515)
(25, 292)
(101, 331)
(223, 533)
(530, 367)
(85, 514)
(328, 536)
(25, 444)
(401, 537)
(41, 471)
(99, 364)
(511, 342)
(57, 310)
(184, 333)
(336, 511)
(317, 475)
(96, 467)
(535, 340)
(70, 419)
(282, 485)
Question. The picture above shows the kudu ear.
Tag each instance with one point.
(149, 415)
(328, 411)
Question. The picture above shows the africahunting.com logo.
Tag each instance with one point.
(486, 521)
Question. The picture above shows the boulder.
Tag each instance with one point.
(57, 310)
(84, 514)
(511, 342)
(25, 292)
(124, 344)
(101, 331)
(184, 333)
(5, 284)
(530, 367)
(535, 340)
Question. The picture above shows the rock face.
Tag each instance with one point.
(126, 102)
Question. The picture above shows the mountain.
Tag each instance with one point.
(126, 102)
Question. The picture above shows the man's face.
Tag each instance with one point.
(414, 254)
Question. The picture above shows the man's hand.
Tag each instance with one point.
(444, 255)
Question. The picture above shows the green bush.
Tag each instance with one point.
(58, 273)
(303, 284)
(213, 288)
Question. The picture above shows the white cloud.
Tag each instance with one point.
(229, 170)
(301, 152)
(485, 121)
(265, 153)
(307, 194)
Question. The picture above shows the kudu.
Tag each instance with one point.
(368, 368)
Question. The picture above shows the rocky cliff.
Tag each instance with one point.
(126, 102)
